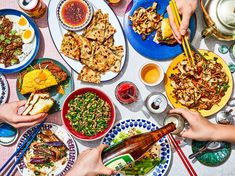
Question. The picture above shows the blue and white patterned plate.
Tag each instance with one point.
(145, 125)
(65, 137)
(4, 89)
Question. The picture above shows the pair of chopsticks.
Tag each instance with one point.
(22, 149)
(182, 156)
(185, 43)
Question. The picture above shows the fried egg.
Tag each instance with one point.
(28, 35)
(23, 23)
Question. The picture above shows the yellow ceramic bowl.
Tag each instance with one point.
(209, 55)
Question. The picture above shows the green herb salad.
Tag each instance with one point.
(89, 114)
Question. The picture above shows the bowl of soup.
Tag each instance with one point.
(151, 74)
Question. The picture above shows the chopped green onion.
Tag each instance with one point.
(8, 41)
(2, 37)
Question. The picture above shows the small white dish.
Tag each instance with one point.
(78, 27)
(9, 140)
(153, 71)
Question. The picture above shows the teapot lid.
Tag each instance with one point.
(226, 13)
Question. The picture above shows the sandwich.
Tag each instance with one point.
(38, 103)
(39, 77)
(164, 33)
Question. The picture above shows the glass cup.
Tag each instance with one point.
(178, 120)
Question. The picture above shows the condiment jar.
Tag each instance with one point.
(156, 103)
(126, 92)
(177, 119)
(34, 8)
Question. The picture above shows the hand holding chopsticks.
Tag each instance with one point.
(22, 149)
(185, 44)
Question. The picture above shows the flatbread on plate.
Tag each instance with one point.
(89, 75)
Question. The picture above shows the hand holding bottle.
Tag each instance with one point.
(89, 163)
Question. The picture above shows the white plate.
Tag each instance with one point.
(65, 137)
(57, 32)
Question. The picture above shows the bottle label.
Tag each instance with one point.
(119, 162)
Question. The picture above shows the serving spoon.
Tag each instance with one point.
(210, 146)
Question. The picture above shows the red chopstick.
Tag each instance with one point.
(182, 156)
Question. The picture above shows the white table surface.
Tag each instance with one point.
(130, 73)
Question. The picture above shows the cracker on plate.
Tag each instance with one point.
(89, 75)
(70, 46)
(96, 30)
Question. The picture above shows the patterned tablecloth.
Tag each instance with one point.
(47, 49)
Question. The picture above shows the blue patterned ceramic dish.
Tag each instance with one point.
(36, 43)
(148, 47)
(65, 137)
(4, 89)
(76, 28)
(144, 125)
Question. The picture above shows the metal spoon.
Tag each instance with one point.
(210, 146)
(7, 130)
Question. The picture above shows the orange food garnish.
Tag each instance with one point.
(60, 90)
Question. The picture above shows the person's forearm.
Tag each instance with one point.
(224, 133)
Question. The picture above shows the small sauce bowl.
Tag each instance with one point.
(151, 74)
(74, 15)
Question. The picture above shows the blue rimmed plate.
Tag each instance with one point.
(143, 125)
(148, 47)
(65, 137)
(36, 43)
(57, 32)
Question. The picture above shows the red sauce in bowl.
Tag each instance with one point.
(126, 92)
(74, 12)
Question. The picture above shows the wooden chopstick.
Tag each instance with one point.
(182, 156)
(178, 26)
(27, 142)
(177, 18)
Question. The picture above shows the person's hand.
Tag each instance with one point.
(9, 114)
(199, 127)
(186, 9)
(89, 163)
